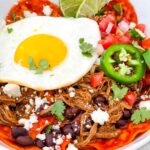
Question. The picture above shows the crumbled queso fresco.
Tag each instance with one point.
(99, 116)
(12, 90)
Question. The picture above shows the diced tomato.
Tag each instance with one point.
(146, 80)
(124, 39)
(103, 24)
(96, 79)
(130, 97)
(108, 41)
(146, 43)
(119, 32)
(140, 27)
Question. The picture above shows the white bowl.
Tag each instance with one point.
(142, 8)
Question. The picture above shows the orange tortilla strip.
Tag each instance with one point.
(127, 136)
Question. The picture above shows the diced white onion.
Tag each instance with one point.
(109, 28)
(124, 26)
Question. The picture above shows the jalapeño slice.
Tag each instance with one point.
(123, 63)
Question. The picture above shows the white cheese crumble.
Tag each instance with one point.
(68, 136)
(56, 127)
(41, 136)
(28, 14)
(71, 147)
(71, 89)
(12, 90)
(145, 104)
(99, 116)
(59, 141)
(28, 122)
(28, 107)
(47, 10)
(47, 148)
(39, 102)
(72, 94)
(31, 102)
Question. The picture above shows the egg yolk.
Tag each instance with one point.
(39, 47)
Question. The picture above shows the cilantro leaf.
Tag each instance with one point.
(86, 48)
(58, 109)
(119, 93)
(135, 34)
(44, 64)
(146, 56)
(118, 9)
(140, 115)
(9, 30)
(14, 17)
(48, 129)
(32, 65)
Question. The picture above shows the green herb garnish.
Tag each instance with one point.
(135, 34)
(140, 115)
(43, 65)
(9, 30)
(58, 109)
(146, 56)
(13, 15)
(48, 129)
(119, 93)
(86, 48)
(118, 9)
(101, 12)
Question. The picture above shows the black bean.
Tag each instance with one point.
(88, 124)
(71, 112)
(49, 139)
(25, 141)
(100, 100)
(126, 114)
(68, 130)
(40, 143)
(76, 128)
(19, 131)
(121, 123)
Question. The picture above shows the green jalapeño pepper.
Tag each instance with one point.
(123, 63)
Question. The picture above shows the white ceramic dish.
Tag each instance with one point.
(143, 11)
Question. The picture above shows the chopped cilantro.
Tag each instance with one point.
(86, 48)
(48, 129)
(146, 56)
(135, 34)
(43, 65)
(101, 12)
(119, 93)
(9, 30)
(13, 15)
(58, 109)
(118, 9)
(32, 65)
(140, 115)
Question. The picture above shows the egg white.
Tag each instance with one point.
(69, 30)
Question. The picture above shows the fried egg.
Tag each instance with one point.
(53, 39)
